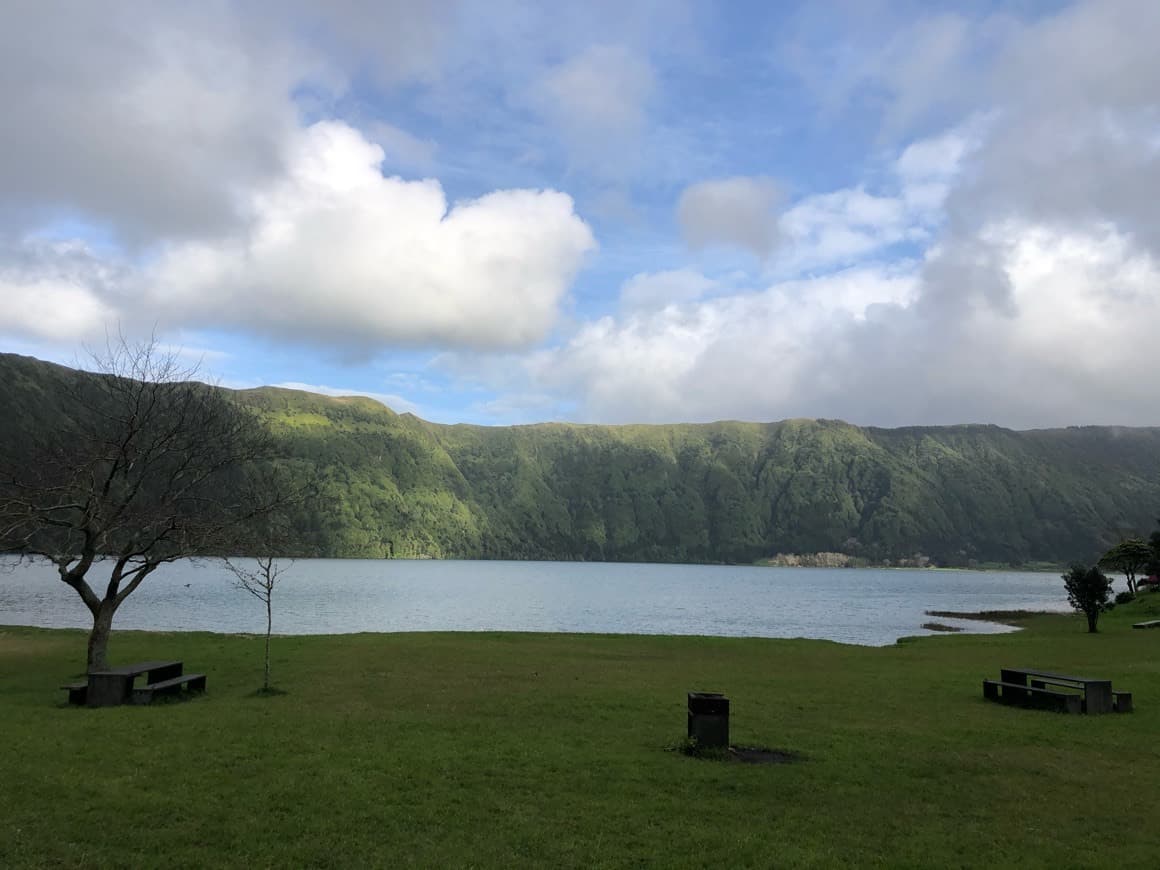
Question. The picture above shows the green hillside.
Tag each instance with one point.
(393, 485)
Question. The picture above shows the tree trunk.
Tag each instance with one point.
(269, 625)
(99, 637)
(1092, 618)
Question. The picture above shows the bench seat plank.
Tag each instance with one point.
(192, 679)
(170, 686)
(1049, 675)
(1026, 696)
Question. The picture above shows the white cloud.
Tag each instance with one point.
(401, 149)
(738, 355)
(196, 356)
(938, 158)
(58, 291)
(395, 402)
(338, 253)
(334, 253)
(147, 123)
(597, 101)
(1064, 342)
(658, 289)
(738, 212)
(824, 231)
(48, 308)
(840, 228)
(1069, 343)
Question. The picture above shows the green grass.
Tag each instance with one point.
(555, 750)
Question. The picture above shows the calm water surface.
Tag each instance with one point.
(340, 596)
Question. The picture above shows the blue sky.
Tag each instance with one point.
(883, 211)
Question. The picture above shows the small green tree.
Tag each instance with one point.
(1129, 557)
(1088, 592)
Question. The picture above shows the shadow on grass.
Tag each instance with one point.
(268, 692)
(739, 754)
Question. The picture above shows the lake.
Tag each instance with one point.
(340, 596)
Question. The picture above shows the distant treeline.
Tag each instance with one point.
(390, 485)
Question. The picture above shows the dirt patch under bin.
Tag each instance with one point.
(761, 755)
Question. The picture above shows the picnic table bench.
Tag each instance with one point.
(1022, 695)
(111, 686)
(1028, 687)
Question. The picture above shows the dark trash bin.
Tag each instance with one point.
(709, 719)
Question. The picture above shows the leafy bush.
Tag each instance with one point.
(1089, 592)
(1125, 597)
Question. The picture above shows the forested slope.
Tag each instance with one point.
(394, 485)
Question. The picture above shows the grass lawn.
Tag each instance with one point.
(550, 750)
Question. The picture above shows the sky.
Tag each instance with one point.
(500, 212)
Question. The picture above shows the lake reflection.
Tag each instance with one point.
(341, 596)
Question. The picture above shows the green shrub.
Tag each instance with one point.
(1089, 592)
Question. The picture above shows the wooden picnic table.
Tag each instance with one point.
(1096, 693)
(112, 686)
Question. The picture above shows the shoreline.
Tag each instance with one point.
(1015, 618)
(1008, 618)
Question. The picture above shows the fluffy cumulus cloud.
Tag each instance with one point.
(739, 212)
(337, 252)
(713, 357)
(1067, 342)
(333, 252)
(1052, 329)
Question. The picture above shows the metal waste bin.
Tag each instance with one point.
(709, 719)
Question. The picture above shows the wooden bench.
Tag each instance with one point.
(1152, 623)
(77, 692)
(1095, 694)
(193, 683)
(1025, 696)
(1122, 702)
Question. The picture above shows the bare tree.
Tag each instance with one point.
(260, 581)
(146, 467)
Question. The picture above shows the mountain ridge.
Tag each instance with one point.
(396, 485)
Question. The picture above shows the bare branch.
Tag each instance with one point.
(146, 466)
